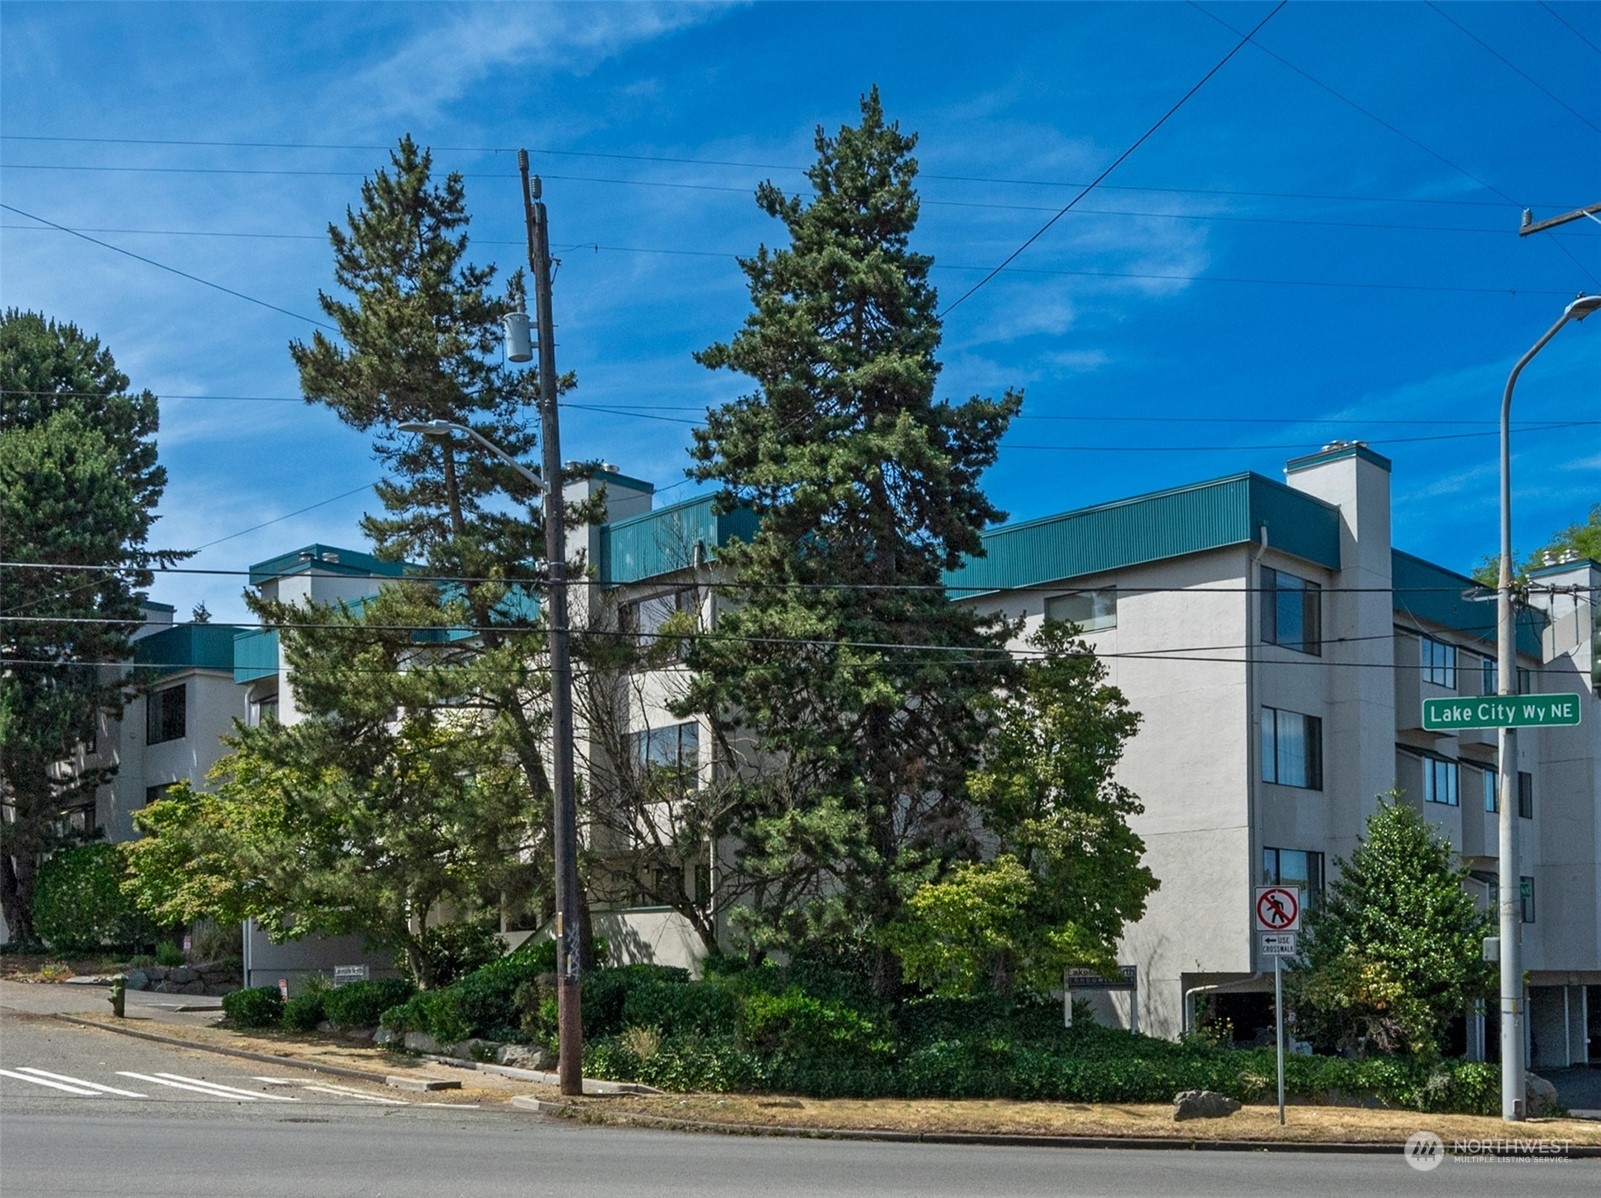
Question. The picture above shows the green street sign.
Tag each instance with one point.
(1501, 711)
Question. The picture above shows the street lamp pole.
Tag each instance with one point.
(1509, 872)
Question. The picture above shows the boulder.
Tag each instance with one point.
(1539, 1096)
(361, 1033)
(181, 975)
(423, 1042)
(136, 979)
(194, 987)
(474, 1049)
(388, 1035)
(1202, 1104)
(525, 1056)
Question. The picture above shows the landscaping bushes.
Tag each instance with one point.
(362, 1004)
(79, 907)
(260, 1006)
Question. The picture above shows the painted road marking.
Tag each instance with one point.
(78, 1081)
(39, 1081)
(210, 1089)
(346, 1092)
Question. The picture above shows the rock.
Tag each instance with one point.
(1202, 1104)
(182, 975)
(1539, 1096)
(361, 1033)
(388, 1035)
(136, 979)
(327, 1028)
(524, 1056)
(194, 987)
(423, 1042)
(474, 1049)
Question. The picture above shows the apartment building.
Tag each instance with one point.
(1278, 647)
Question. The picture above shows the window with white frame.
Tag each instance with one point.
(1295, 867)
(1292, 749)
(1292, 612)
(1092, 611)
(1438, 660)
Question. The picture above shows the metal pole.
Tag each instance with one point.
(1509, 870)
(1278, 1020)
(569, 1016)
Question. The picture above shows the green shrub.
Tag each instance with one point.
(79, 907)
(305, 1011)
(676, 1009)
(606, 992)
(169, 955)
(801, 1025)
(260, 1006)
(362, 1004)
(454, 950)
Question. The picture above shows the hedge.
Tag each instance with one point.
(79, 907)
(260, 1006)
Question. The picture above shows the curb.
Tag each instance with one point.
(982, 1139)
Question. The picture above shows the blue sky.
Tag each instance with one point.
(1322, 242)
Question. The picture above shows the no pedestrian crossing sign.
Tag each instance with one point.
(1501, 711)
(1278, 909)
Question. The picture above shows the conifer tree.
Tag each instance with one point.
(79, 484)
(844, 658)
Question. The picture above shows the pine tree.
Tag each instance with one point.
(1395, 954)
(844, 659)
(79, 484)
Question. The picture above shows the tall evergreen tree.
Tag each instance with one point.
(844, 657)
(79, 483)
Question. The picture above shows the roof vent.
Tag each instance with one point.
(609, 468)
(331, 557)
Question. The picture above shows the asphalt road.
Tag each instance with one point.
(208, 1124)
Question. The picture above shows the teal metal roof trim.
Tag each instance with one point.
(1434, 595)
(619, 479)
(1148, 528)
(152, 605)
(664, 541)
(185, 647)
(255, 654)
(1577, 563)
(1350, 449)
(329, 558)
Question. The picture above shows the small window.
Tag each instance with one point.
(673, 752)
(1489, 783)
(164, 715)
(1292, 749)
(264, 711)
(1292, 612)
(154, 794)
(1440, 782)
(1092, 611)
(1491, 670)
(1295, 867)
(1438, 660)
(1526, 893)
(644, 618)
(1525, 795)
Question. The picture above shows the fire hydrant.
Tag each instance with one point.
(119, 994)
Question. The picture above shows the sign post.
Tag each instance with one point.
(1088, 979)
(1278, 918)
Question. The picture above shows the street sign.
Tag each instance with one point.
(1278, 944)
(1501, 711)
(1088, 979)
(1278, 909)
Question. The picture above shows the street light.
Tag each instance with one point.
(1509, 877)
(444, 430)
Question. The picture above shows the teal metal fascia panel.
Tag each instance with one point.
(664, 541)
(1147, 528)
(187, 647)
(255, 654)
(330, 558)
(1434, 595)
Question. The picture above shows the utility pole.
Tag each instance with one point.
(1530, 225)
(569, 981)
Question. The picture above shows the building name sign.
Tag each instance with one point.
(1501, 711)
(1089, 979)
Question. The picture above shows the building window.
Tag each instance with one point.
(673, 751)
(154, 794)
(1292, 612)
(164, 715)
(264, 711)
(1525, 795)
(1489, 783)
(1438, 660)
(1292, 749)
(1491, 675)
(645, 618)
(1295, 867)
(1526, 893)
(1440, 781)
(1092, 611)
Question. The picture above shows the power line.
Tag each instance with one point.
(171, 269)
(1510, 65)
(1118, 161)
(1560, 19)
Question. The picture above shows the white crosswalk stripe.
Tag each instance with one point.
(39, 1081)
(178, 1081)
(347, 1092)
(78, 1081)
